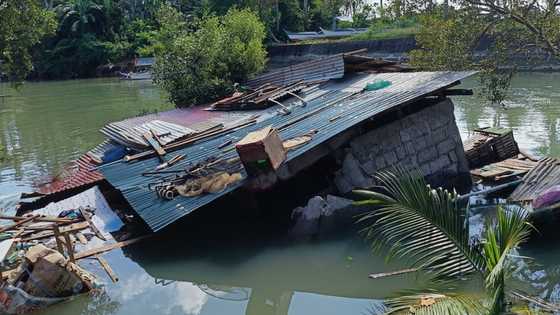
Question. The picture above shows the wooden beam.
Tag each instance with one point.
(17, 224)
(107, 268)
(92, 226)
(44, 234)
(106, 248)
(38, 219)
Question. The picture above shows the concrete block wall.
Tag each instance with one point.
(427, 140)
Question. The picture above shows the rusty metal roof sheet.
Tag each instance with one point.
(344, 100)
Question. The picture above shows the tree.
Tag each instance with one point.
(23, 24)
(199, 62)
(426, 228)
(81, 16)
(490, 36)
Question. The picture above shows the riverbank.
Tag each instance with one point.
(216, 275)
(395, 49)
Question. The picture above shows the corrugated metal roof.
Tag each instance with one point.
(542, 177)
(77, 174)
(345, 99)
(132, 136)
(321, 69)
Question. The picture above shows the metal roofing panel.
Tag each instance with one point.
(132, 135)
(321, 69)
(343, 99)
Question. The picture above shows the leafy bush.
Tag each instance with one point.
(201, 64)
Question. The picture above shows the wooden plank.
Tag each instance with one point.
(69, 247)
(74, 227)
(92, 226)
(44, 234)
(17, 224)
(107, 268)
(106, 248)
(81, 238)
(57, 239)
(153, 143)
(37, 219)
(391, 273)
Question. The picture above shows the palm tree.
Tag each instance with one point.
(81, 16)
(427, 227)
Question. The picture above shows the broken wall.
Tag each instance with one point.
(427, 140)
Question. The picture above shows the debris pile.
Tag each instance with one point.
(490, 145)
(260, 98)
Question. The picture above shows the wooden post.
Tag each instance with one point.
(56, 232)
(69, 246)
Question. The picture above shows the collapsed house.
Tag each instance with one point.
(368, 114)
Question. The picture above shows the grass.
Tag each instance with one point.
(379, 30)
(391, 33)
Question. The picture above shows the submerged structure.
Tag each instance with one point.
(365, 114)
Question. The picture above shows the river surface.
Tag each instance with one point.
(46, 124)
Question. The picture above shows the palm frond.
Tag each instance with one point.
(500, 239)
(423, 225)
(435, 304)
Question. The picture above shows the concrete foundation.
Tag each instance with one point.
(427, 140)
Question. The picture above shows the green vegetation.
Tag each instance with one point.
(448, 39)
(389, 28)
(62, 39)
(23, 24)
(225, 50)
(426, 228)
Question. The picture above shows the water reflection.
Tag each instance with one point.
(47, 124)
(532, 111)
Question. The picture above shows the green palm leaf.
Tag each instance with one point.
(435, 304)
(422, 225)
(426, 227)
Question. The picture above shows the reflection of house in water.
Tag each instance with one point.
(269, 276)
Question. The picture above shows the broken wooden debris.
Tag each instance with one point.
(542, 177)
(490, 190)
(503, 170)
(112, 275)
(205, 135)
(106, 248)
(490, 145)
(259, 98)
(392, 273)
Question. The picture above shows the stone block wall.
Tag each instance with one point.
(427, 140)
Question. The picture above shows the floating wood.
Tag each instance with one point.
(505, 169)
(106, 248)
(92, 226)
(490, 145)
(391, 273)
(107, 268)
(490, 190)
